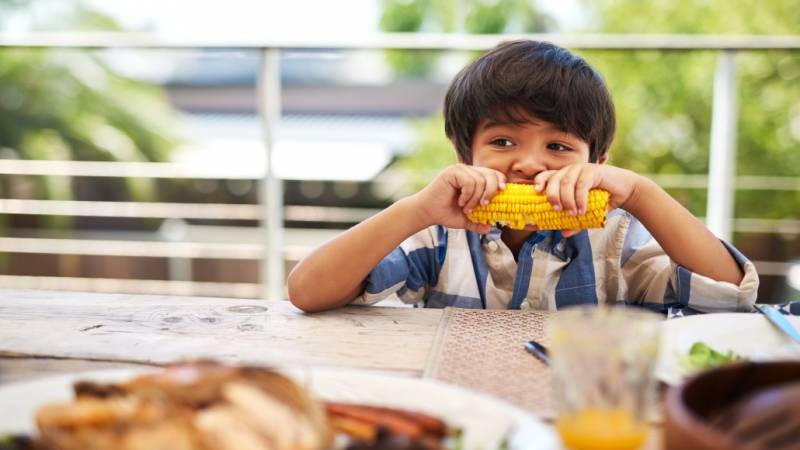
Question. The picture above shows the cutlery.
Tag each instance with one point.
(538, 350)
(779, 321)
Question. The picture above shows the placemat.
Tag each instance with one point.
(484, 350)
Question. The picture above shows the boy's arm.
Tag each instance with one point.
(685, 239)
(334, 274)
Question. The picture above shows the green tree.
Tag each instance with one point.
(68, 105)
(663, 99)
(663, 102)
(471, 16)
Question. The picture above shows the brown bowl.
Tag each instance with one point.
(695, 408)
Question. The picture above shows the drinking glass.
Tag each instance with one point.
(603, 362)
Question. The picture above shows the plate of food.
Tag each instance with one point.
(206, 405)
(695, 343)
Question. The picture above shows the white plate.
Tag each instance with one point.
(485, 421)
(749, 335)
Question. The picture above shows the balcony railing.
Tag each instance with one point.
(721, 181)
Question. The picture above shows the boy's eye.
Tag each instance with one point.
(502, 142)
(558, 147)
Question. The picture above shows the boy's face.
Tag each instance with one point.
(521, 151)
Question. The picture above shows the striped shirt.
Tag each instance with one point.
(621, 262)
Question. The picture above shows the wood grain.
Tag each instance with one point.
(147, 329)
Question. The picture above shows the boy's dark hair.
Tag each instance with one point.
(539, 78)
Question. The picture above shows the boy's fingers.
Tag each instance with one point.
(582, 187)
(490, 190)
(479, 183)
(467, 187)
(499, 178)
(553, 190)
(568, 189)
(540, 180)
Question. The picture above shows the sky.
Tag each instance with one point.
(315, 19)
(311, 18)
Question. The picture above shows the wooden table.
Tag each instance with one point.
(43, 333)
(47, 333)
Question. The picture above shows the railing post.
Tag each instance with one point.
(722, 155)
(269, 108)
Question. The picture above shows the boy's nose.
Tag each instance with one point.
(528, 167)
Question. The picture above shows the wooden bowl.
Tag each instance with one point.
(690, 407)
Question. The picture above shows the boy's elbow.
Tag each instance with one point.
(297, 295)
(302, 296)
(309, 294)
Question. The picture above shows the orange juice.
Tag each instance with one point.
(602, 429)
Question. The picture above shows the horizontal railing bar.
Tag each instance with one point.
(419, 41)
(127, 169)
(133, 286)
(327, 214)
(155, 249)
(770, 268)
(98, 247)
(774, 268)
(218, 211)
(779, 226)
(295, 213)
(131, 209)
(743, 182)
(179, 170)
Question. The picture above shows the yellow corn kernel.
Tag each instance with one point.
(519, 205)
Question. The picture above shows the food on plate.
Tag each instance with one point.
(192, 406)
(206, 405)
(702, 357)
(519, 205)
(371, 427)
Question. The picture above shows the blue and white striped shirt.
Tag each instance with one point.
(621, 262)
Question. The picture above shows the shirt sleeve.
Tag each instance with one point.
(652, 277)
(409, 270)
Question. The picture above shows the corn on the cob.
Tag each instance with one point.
(519, 205)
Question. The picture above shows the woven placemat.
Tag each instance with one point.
(483, 350)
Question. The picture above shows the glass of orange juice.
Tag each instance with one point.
(603, 361)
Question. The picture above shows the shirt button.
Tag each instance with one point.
(525, 306)
(492, 246)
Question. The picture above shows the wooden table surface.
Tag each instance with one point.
(52, 332)
(45, 332)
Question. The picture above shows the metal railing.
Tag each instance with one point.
(721, 182)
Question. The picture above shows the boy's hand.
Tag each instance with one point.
(568, 188)
(455, 192)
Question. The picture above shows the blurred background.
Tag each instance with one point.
(141, 170)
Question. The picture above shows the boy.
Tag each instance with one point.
(528, 112)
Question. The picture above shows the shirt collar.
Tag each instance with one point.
(551, 240)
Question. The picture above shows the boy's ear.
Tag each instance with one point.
(602, 159)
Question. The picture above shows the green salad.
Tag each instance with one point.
(702, 357)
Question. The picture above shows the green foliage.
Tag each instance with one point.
(479, 17)
(690, 16)
(663, 99)
(407, 16)
(431, 152)
(67, 105)
(503, 16)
